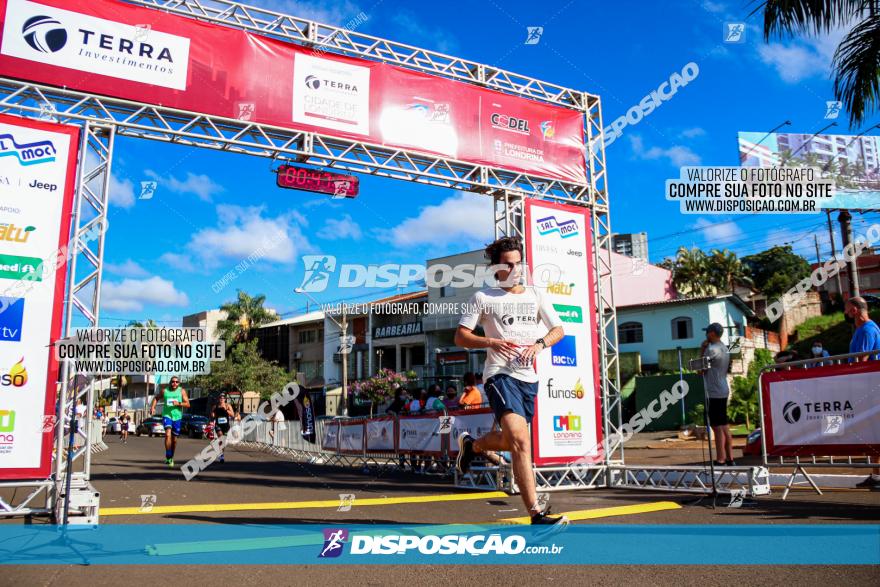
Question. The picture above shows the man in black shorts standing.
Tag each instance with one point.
(715, 379)
(510, 316)
(222, 414)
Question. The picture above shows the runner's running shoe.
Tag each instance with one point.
(553, 524)
(465, 452)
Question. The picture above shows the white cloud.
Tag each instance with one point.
(130, 295)
(802, 57)
(128, 268)
(462, 217)
(723, 233)
(343, 228)
(199, 185)
(678, 155)
(713, 7)
(178, 261)
(690, 133)
(121, 192)
(242, 231)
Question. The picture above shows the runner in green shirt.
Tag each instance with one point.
(174, 399)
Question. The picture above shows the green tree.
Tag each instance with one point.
(242, 316)
(726, 271)
(245, 370)
(776, 270)
(856, 63)
(744, 399)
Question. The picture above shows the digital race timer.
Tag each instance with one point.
(315, 180)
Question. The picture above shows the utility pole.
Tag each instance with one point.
(344, 350)
(818, 257)
(845, 219)
(834, 253)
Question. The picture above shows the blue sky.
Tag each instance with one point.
(211, 210)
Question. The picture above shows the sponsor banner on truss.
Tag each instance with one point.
(567, 424)
(823, 411)
(141, 54)
(37, 171)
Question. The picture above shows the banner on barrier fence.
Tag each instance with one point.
(476, 425)
(37, 183)
(419, 435)
(380, 435)
(351, 438)
(136, 53)
(822, 411)
(331, 436)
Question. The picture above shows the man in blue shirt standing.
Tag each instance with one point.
(866, 338)
(867, 334)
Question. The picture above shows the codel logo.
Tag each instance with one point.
(44, 34)
(791, 412)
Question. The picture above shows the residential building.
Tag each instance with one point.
(631, 245)
(208, 320)
(868, 268)
(297, 344)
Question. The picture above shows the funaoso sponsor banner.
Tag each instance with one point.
(37, 161)
(823, 411)
(380, 435)
(566, 425)
(419, 435)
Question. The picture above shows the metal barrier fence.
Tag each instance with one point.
(855, 456)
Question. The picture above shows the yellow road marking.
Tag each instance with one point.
(296, 505)
(624, 510)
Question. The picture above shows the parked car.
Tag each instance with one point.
(151, 426)
(194, 426)
(114, 426)
(872, 300)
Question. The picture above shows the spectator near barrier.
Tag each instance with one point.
(471, 398)
(865, 338)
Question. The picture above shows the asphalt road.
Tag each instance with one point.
(129, 471)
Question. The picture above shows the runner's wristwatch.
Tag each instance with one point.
(541, 340)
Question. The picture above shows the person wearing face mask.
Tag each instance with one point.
(818, 352)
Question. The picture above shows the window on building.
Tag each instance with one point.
(682, 327)
(630, 332)
(739, 328)
(447, 291)
(308, 336)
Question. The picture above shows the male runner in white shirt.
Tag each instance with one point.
(510, 317)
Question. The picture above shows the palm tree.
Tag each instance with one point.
(689, 272)
(726, 271)
(242, 316)
(855, 63)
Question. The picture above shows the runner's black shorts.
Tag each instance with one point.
(717, 411)
(224, 428)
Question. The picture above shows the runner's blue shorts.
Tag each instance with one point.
(508, 394)
(173, 424)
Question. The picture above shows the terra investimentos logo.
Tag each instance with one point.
(44, 33)
(794, 412)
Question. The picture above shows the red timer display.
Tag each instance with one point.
(314, 180)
